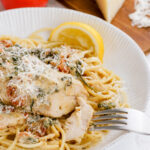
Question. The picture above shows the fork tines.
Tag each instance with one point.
(109, 119)
(110, 111)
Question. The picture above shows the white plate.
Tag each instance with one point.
(122, 54)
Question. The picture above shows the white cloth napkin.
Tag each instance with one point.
(132, 141)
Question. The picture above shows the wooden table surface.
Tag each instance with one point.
(121, 20)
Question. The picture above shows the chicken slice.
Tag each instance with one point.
(77, 124)
(59, 93)
(62, 102)
(12, 119)
(41, 89)
(59, 105)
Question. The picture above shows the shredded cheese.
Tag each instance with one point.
(141, 16)
(28, 74)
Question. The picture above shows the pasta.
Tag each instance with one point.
(104, 90)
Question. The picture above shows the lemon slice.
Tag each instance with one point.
(79, 34)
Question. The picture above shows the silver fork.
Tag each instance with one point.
(122, 119)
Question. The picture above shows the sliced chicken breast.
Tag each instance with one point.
(77, 124)
(63, 101)
(36, 87)
(42, 89)
(59, 104)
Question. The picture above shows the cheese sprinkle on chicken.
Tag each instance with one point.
(39, 86)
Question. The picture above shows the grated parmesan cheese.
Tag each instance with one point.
(141, 16)
(31, 76)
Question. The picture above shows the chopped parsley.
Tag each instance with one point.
(79, 66)
(78, 74)
(37, 77)
(17, 45)
(4, 60)
(48, 122)
(104, 106)
(10, 77)
(15, 60)
(67, 81)
(31, 106)
(31, 140)
(56, 89)
(36, 52)
(41, 93)
(16, 68)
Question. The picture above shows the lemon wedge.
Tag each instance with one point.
(79, 34)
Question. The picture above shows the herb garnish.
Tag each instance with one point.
(15, 60)
(31, 140)
(31, 106)
(48, 122)
(41, 93)
(36, 52)
(78, 74)
(17, 45)
(67, 81)
(56, 89)
(16, 68)
(104, 106)
(4, 60)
